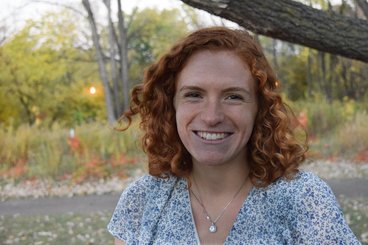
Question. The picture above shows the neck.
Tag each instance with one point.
(219, 179)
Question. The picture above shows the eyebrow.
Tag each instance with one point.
(237, 89)
(227, 90)
(191, 88)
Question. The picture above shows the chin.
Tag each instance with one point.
(210, 161)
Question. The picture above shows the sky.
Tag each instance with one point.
(15, 12)
(32, 8)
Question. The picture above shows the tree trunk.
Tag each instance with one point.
(101, 65)
(320, 71)
(309, 74)
(295, 22)
(113, 54)
(346, 76)
(332, 78)
(363, 5)
(123, 56)
(274, 56)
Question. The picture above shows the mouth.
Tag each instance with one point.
(212, 136)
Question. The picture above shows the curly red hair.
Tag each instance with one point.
(273, 148)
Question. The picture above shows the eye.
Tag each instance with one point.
(192, 94)
(234, 97)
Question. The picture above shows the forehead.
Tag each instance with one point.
(216, 68)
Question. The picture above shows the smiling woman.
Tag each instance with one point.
(222, 156)
(215, 107)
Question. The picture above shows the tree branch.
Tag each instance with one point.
(295, 22)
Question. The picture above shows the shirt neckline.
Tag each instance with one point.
(243, 209)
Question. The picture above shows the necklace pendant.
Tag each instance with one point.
(212, 228)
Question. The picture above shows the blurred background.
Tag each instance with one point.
(66, 71)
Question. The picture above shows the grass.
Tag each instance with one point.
(56, 229)
(91, 229)
(356, 214)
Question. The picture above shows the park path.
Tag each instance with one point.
(351, 188)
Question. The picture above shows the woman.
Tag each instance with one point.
(223, 158)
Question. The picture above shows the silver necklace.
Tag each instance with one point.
(213, 227)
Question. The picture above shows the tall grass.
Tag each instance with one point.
(348, 140)
(325, 117)
(95, 150)
(336, 129)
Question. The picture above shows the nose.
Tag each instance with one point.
(212, 113)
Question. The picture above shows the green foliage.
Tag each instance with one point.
(42, 76)
(304, 72)
(293, 70)
(152, 32)
(47, 67)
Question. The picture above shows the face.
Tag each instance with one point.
(216, 106)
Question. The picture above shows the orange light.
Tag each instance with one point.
(92, 90)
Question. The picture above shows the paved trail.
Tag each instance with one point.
(352, 188)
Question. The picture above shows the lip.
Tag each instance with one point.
(212, 136)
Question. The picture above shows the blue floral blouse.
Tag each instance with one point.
(300, 211)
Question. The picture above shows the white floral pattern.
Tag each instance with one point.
(301, 211)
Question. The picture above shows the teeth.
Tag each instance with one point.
(211, 136)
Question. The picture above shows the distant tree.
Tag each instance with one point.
(45, 75)
(150, 34)
(49, 64)
(132, 43)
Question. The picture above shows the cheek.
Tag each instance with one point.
(183, 114)
(183, 117)
(247, 122)
(180, 121)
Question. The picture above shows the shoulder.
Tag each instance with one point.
(302, 178)
(306, 191)
(314, 213)
(286, 196)
(127, 218)
(307, 188)
(146, 185)
(302, 185)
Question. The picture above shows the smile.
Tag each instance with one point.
(212, 136)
